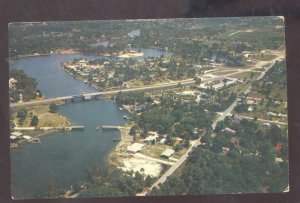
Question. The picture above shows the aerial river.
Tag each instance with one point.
(63, 157)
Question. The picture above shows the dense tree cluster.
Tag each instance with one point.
(115, 183)
(25, 86)
(275, 78)
(248, 166)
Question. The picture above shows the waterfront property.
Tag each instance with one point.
(135, 147)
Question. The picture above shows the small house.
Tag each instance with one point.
(82, 63)
(167, 153)
(140, 107)
(162, 141)
(17, 134)
(135, 147)
(151, 138)
(229, 130)
(27, 137)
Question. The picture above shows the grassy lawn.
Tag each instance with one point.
(276, 94)
(262, 109)
(224, 72)
(238, 88)
(154, 151)
(46, 119)
(242, 76)
(263, 57)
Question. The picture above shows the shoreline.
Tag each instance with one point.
(65, 51)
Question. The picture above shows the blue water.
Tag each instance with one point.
(63, 157)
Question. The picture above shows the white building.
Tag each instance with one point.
(135, 147)
(12, 83)
(82, 62)
(151, 138)
(167, 153)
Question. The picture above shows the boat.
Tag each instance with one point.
(117, 139)
(35, 140)
(126, 117)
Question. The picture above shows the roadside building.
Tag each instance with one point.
(167, 153)
(135, 147)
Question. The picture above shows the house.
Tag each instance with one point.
(229, 130)
(82, 63)
(250, 109)
(135, 147)
(249, 102)
(27, 137)
(14, 138)
(12, 83)
(237, 118)
(151, 138)
(167, 153)
(156, 102)
(17, 134)
(267, 124)
(271, 114)
(140, 107)
(278, 146)
(163, 141)
(195, 132)
(280, 115)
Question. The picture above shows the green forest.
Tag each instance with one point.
(249, 165)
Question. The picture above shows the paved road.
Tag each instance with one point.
(145, 88)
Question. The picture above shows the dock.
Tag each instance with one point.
(111, 127)
(50, 128)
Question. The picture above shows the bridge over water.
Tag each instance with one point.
(89, 96)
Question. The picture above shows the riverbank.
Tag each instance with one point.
(130, 54)
(55, 52)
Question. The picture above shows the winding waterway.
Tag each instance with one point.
(63, 157)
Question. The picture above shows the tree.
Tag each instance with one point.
(34, 121)
(53, 108)
(148, 181)
(133, 130)
(197, 81)
(21, 114)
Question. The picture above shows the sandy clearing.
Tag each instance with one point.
(151, 168)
